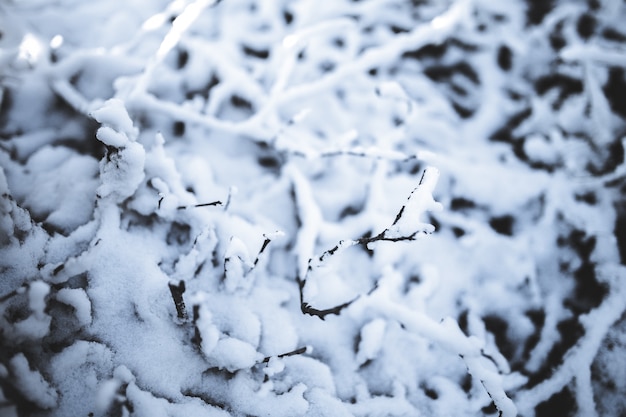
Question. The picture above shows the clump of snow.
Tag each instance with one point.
(233, 354)
(114, 119)
(77, 298)
(37, 293)
(237, 264)
(123, 170)
(372, 340)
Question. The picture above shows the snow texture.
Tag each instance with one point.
(303, 208)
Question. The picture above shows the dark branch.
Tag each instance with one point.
(213, 203)
(58, 269)
(298, 351)
(398, 216)
(177, 294)
(364, 241)
(13, 293)
(311, 311)
(263, 247)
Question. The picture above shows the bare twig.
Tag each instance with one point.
(390, 234)
(213, 203)
(13, 293)
(298, 351)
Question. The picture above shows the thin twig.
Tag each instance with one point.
(425, 180)
(298, 351)
(213, 203)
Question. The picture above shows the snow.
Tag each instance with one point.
(209, 333)
(66, 205)
(122, 176)
(237, 264)
(372, 339)
(77, 298)
(291, 208)
(37, 324)
(37, 293)
(81, 372)
(233, 354)
(113, 115)
(31, 384)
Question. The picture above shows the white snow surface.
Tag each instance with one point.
(300, 208)
(31, 383)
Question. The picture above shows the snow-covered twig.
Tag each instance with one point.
(405, 227)
(442, 26)
(596, 324)
(180, 25)
(71, 96)
(445, 333)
